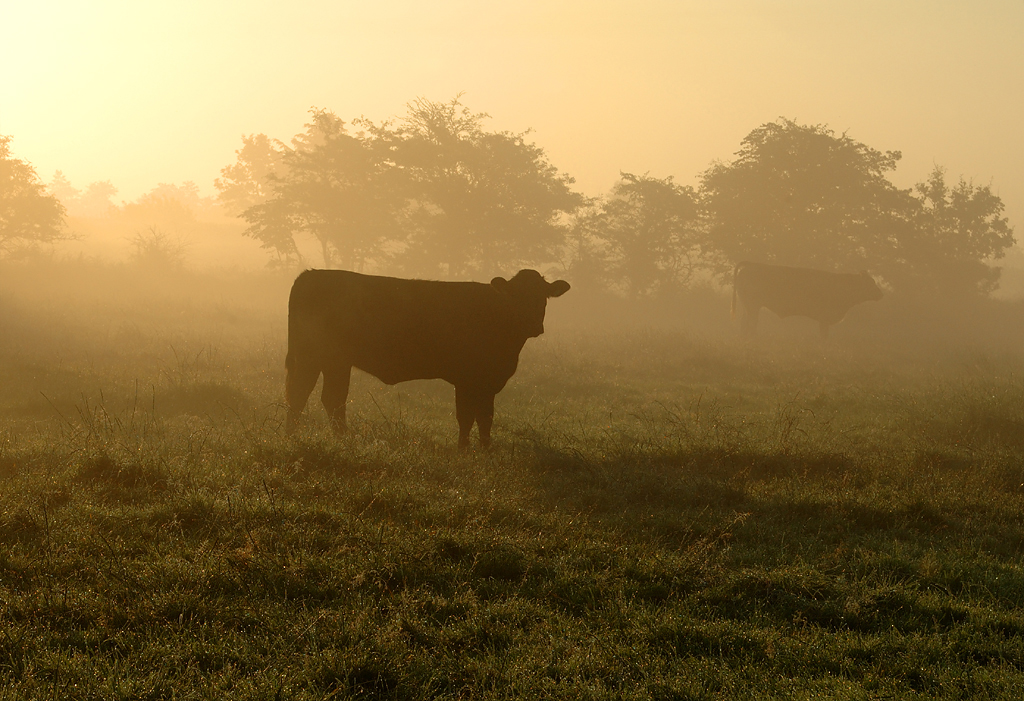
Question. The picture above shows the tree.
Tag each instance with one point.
(61, 188)
(800, 195)
(28, 215)
(329, 185)
(584, 254)
(959, 230)
(156, 251)
(97, 200)
(166, 205)
(654, 239)
(478, 200)
(248, 182)
(94, 202)
(438, 195)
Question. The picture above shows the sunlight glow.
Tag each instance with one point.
(143, 93)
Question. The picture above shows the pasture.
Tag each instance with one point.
(667, 512)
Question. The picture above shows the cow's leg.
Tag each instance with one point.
(484, 418)
(298, 385)
(335, 394)
(465, 413)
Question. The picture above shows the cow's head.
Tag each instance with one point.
(528, 294)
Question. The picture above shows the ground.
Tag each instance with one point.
(667, 513)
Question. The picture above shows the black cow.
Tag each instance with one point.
(467, 333)
(819, 295)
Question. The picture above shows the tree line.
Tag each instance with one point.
(437, 194)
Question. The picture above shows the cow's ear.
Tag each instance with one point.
(500, 284)
(558, 288)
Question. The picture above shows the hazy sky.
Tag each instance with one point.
(141, 93)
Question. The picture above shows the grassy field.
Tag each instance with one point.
(666, 514)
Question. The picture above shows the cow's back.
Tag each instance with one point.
(399, 329)
(823, 296)
(783, 289)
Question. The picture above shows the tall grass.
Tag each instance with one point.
(664, 515)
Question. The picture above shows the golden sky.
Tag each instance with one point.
(141, 93)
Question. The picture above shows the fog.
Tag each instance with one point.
(161, 92)
(182, 141)
(770, 439)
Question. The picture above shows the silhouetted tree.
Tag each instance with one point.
(959, 231)
(331, 185)
(800, 195)
(247, 182)
(170, 207)
(96, 201)
(438, 195)
(584, 254)
(28, 215)
(478, 200)
(61, 188)
(157, 251)
(655, 241)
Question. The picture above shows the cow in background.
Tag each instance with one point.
(787, 291)
(467, 333)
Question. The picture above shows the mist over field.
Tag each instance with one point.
(669, 509)
(770, 443)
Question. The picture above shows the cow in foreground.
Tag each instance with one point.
(816, 294)
(467, 333)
